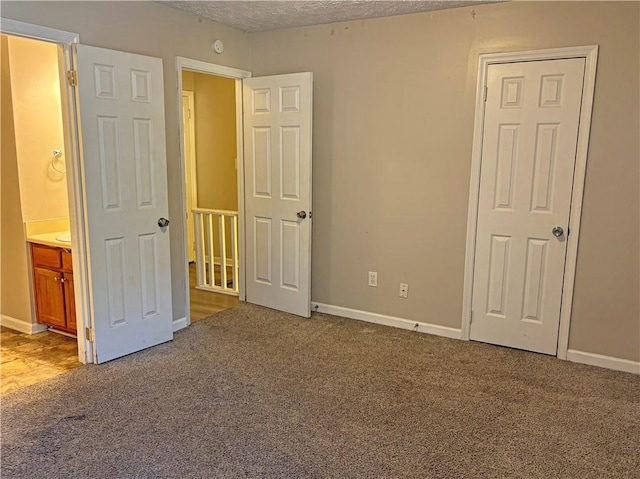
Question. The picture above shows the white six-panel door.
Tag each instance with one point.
(125, 186)
(528, 157)
(277, 176)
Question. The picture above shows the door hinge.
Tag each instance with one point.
(485, 92)
(88, 333)
(72, 77)
(470, 317)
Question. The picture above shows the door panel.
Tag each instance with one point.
(123, 151)
(528, 157)
(277, 132)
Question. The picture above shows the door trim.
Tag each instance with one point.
(191, 160)
(37, 32)
(67, 60)
(198, 66)
(590, 54)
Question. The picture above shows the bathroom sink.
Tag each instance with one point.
(64, 237)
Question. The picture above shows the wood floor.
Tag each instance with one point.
(27, 359)
(205, 303)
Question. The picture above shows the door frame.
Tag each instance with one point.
(191, 160)
(198, 66)
(75, 191)
(590, 54)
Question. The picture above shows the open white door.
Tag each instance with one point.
(277, 178)
(123, 153)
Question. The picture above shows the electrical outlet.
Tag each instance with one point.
(404, 290)
(373, 279)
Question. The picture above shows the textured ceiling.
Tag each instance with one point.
(255, 16)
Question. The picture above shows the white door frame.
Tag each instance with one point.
(191, 160)
(238, 75)
(75, 191)
(590, 54)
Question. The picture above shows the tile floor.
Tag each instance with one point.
(27, 359)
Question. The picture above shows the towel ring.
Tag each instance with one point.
(57, 154)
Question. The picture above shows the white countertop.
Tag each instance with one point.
(49, 239)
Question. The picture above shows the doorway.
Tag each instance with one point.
(274, 128)
(118, 204)
(211, 191)
(531, 136)
(211, 146)
(39, 326)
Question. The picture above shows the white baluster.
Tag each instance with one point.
(234, 252)
(210, 251)
(223, 252)
(200, 264)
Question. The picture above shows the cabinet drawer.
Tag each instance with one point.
(46, 256)
(66, 261)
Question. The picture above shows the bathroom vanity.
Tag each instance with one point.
(53, 287)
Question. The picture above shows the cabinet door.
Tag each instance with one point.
(70, 302)
(49, 297)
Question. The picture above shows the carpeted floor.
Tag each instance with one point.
(255, 393)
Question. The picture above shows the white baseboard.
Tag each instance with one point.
(591, 359)
(179, 324)
(20, 325)
(608, 362)
(388, 320)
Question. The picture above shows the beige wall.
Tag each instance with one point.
(216, 147)
(187, 80)
(394, 103)
(393, 125)
(37, 113)
(147, 28)
(14, 282)
(215, 122)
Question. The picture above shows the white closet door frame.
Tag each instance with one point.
(590, 54)
(66, 41)
(198, 66)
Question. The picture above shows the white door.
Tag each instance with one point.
(277, 178)
(528, 157)
(190, 169)
(123, 152)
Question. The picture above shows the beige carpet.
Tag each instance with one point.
(253, 393)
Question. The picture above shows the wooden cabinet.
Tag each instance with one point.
(53, 287)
